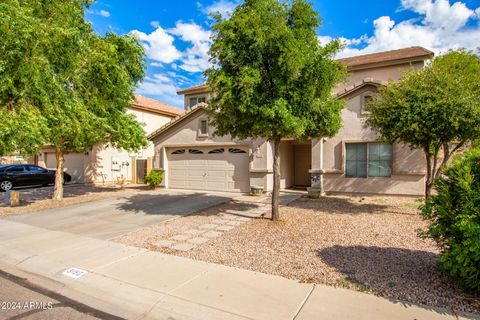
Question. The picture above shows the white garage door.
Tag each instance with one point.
(74, 165)
(214, 168)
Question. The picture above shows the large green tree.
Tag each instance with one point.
(271, 78)
(435, 109)
(63, 85)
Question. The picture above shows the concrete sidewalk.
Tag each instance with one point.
(137, 284)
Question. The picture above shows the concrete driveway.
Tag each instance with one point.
(110, 218)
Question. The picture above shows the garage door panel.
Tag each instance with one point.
(74, 165)
(209, 171)
(221, 174)
(178, 173)
(195, 174)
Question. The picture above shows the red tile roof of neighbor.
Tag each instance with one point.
(360, 62)
(147, 104)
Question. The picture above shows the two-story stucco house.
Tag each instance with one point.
(354, 161)
(104, 163)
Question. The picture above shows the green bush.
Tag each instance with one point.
(154, 178)
(454, 212)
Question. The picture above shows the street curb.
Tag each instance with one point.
(78, 306)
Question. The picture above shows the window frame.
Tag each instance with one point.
(196, 98)
(364, 95)
(200, 133)
(217, 151)
(367, 161)
(234, 150)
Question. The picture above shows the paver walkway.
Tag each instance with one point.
(203, 233)
(138, 284)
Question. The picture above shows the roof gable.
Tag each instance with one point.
(180, 119)
(365, 83)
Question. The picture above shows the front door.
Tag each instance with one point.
(303, 164)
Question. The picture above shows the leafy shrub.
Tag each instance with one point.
(154, 178)
(455, 215)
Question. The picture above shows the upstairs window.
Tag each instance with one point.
(368, 160)
(367, 99)
(193, 102)
(196, 100)
(204, 127)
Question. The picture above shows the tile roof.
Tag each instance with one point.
(418, 53)
(200, 87)
(147, 104)
(357, 62)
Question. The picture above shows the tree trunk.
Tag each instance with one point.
(58, 189)
(428, 178)
(276, 180)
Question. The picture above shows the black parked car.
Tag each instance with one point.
(19, 175)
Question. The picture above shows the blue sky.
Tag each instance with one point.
(176, 34)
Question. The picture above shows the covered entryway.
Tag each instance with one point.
(222, 168)
(74, 165)
(303, 163)
(295, 163)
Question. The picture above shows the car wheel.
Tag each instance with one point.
(6, 185)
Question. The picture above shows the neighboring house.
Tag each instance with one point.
(355, 160)
(104, 163)
(15, 159)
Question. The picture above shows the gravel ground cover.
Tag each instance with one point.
(368, 244)
(38, 199)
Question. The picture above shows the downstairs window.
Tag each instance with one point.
(368, 160)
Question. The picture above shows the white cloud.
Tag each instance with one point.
(195, 58)
(442, 26)
(440, 14)
(159, 45)
(162, 87)
(224, 7)
(103, 13)
(324, 40)
(155, 24)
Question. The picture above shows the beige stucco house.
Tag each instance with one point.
(354, 161)
(105, 164)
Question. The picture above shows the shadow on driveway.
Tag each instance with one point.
(169, 204)
(113, 217)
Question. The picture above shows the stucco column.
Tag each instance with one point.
(322, 190)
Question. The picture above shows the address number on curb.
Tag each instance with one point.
(74, 273)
